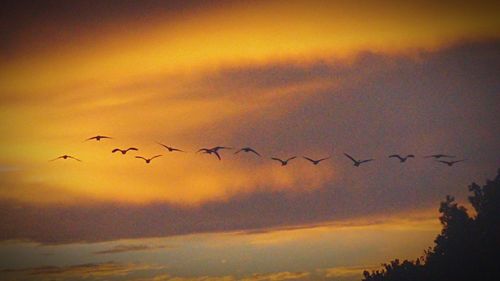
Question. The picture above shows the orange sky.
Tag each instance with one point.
(56, 97)
(288, 78)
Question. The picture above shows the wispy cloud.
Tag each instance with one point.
(278, 276)
(91, 270)
(130, 248)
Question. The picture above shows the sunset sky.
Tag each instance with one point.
(304, 78)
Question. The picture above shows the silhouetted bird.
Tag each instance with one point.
(401, 158)
(66, 157)
(98, 138)
(357, 162)
(148, 160)
(247, 149)
(210, 151)
(450, 163)
(124, 151)
(315, 162)
(171, 149)
(437, 156)
(216, 149)
(284, 162)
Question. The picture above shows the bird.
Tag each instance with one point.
(124, 151)
(148, 160)
(402, 159)
(316, 162)
(98, 138)
(284, 162)
(217, 148)
(171, 149)
(247, 149)
(357, 162)
(450, 163)
(437, 156)
(66, 157)
(210, 151)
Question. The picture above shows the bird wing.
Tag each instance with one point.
(252, 150)
(238, 151)
(326, 158)
(74, 158)
(92, 138)
(176, 149)
(291, 158)
(277, 159)
(367, 160)
(156, 156)
(202, 149)
(132, 148)
(396, 156)
(141, 158)
(105, 137)
(162, 144)
(458, 161)
(442, 161)
(216, 154)
(307, 158)
(56, 158)
(350, 157)
(115, 150)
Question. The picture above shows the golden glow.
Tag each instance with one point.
(54, 100)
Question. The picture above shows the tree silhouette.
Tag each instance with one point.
(468, 247)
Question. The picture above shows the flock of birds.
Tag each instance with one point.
(215, 151)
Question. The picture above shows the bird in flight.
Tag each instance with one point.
(357, 162)
(217, 148)
(316, 162)
(284, 162)
(450, 163)
(209, 151)
(437, 156)
(171, 149)
(402, 159)
(124, 151)
(98, 138)
(148, 160)
(247, 149)
(66, 157)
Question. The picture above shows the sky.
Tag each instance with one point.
(287, 78)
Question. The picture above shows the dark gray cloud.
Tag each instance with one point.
(129, 248)
(433, 102)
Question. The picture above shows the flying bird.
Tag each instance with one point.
(66, 157)
(284, 162)
(316, 162)
(402, 159)
(247, 149)
(148, 160)
(450, 163)
(98, 138)
(217, 148)
(437, 156)
(357, 162)
(171, 149)
(210, 151)
(124, 151)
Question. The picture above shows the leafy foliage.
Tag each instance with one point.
(468, 247)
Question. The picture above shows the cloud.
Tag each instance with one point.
(443, 101)
(339, 273)
(129, 248)
(90, 270)
(278, 276)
